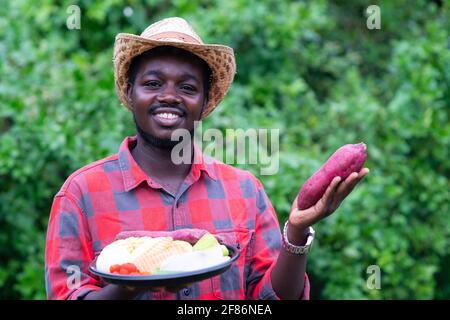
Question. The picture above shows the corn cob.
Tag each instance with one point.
(181, 246)
(149, 255)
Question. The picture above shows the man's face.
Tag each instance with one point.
(167, 94)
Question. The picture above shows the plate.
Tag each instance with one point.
(172, 279)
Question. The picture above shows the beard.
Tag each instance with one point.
(163, 144)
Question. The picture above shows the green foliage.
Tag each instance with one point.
(310, 68)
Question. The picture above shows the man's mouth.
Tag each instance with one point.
(167, 117)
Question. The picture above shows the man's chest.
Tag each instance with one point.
(217, 210)
(204, 207)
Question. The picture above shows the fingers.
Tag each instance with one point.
(332, 188)
(364, 171)
(294, 204)
(337, 191)
(173, 289)
(327, 197)
(346, 185)
(330, 201)
(352, 180)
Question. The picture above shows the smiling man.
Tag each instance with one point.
(168, 78)
(168, 91)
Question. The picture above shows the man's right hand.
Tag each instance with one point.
(117, 292)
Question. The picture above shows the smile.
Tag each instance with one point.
(167, 115)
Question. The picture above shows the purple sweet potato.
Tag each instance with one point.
(347, 159)
(189, 235)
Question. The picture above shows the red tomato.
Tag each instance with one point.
(123, 271)
(114, 268)
(130, 267)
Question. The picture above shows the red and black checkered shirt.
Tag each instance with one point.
(113, 195)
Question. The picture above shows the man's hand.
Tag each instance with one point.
(118, 292)
(337, 191)
(172, 289)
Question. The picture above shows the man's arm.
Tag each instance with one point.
(266, 248)
(68, 244)
(113, 292)
(288, 275)
(289, 272)
(116, 292)
(68, 251)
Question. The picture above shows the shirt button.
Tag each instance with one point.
(187, 291)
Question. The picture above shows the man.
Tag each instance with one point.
(168, 79)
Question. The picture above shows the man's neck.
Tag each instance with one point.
(158, 164)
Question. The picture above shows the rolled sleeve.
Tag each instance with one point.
(266, 247)
(68, 252)
(268, 293)
(79, 294)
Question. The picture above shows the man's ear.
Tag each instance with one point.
(129, 93)
(205, 103)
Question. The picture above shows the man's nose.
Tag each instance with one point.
(169, 95)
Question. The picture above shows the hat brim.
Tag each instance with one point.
(218, 57)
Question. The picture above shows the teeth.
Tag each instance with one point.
(167, 115)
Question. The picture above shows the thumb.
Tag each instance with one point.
(294, 204)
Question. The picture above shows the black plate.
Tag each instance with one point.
(173, 279)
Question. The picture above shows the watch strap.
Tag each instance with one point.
(298, 250)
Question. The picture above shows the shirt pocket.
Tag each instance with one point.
(231, 285)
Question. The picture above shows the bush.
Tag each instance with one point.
(311, 68)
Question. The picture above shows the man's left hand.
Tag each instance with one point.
(337, 191)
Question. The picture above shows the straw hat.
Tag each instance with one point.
(178, 33)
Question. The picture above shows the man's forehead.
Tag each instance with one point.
(163, 71)
(162, 63)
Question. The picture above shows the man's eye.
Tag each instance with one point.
(188, 88)
(152, 84)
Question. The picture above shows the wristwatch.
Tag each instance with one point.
(298, 250)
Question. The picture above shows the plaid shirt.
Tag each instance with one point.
(114, 194)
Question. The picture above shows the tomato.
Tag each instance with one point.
(130, 267)
(123, 270)
(114, 268)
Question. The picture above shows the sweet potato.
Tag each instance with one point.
(189, 235)
(347, 159)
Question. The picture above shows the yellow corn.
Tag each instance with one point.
(149, 255)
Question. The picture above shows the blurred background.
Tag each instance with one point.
(312, 69)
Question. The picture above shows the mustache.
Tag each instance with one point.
(154, 107)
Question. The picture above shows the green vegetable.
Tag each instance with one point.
(208, 241)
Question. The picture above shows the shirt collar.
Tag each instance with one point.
(133, 175)
(202, 164)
